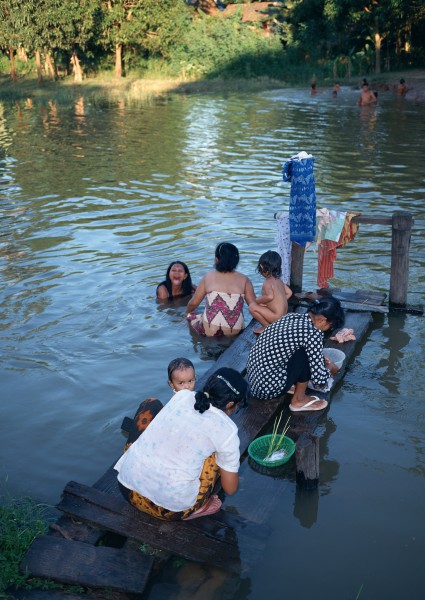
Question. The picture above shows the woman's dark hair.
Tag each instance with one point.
(187, 285)
(331, 309)
(271, 263)
(224, 386)
(179, 363)
(227, 256)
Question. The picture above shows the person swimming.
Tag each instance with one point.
(177, 283)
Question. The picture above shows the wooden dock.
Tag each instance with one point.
(97, 542)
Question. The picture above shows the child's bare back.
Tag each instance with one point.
(273, 302)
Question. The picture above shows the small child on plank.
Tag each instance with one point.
(273, 302)
(181, 376)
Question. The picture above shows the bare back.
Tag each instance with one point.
(276, 290)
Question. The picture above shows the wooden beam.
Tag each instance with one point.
(78, 563)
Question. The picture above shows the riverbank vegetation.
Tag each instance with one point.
(189, 40)
(21, 521)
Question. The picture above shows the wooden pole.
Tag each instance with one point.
(307, 460)
(297, 266)
(401, 232)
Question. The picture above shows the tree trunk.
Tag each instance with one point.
(118, 60)
(48, 65)
(22, 54)
(349, 69)
(76, 67)
(39, 67)
(378, 43)
(13, 75)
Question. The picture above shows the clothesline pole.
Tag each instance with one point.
(401, 233)
(297, 266)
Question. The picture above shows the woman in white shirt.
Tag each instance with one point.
(170, 471)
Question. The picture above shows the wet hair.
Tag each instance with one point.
(227, 256)
(177, 364)
(331, 309)
(402, 81)
(224, 386)
(364, 81)
(187, 283)
(271, 263)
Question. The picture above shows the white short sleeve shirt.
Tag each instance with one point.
(165, 462)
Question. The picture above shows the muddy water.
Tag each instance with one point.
(95, 202)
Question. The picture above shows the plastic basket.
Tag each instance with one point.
(336, 356)
(258, 449)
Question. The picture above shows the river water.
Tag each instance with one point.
(97, 198)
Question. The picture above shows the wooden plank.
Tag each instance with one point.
(372, 220)
(83, 564)
(53, 594)
(183, 539)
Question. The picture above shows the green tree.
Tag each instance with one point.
(144, 25)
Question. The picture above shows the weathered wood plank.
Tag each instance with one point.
(83, 564)
(22, 594)
(183, 539)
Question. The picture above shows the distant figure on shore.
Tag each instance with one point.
(177, 283)
(366, 96)
(273, 302)
(402, 88)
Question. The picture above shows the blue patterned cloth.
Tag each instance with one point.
(302, 204)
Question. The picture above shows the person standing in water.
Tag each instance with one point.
(225, 290)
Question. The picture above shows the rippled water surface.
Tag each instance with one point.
(96, 201)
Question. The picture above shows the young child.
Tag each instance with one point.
(181, 375)
(273, 302)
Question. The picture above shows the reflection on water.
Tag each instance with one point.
(96, 201)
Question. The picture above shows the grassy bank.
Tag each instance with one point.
(20, 522)
(133, 89)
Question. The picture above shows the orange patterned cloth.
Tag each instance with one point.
(327, 250)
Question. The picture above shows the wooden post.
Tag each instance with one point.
(401, 233)
(297, 266)
(307, 460)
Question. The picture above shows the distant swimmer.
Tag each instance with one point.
(366, 96)
(402, 88)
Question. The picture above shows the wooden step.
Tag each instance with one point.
(78, 563)
(212, 540)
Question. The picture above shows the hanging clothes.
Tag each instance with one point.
(284, 245)
(327, 249)
(302, 205)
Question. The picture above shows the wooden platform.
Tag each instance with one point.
(72, 552)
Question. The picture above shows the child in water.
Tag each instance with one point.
(181, 376)
(273, 302)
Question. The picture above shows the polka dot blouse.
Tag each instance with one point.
(268, 358)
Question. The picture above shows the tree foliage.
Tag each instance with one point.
(364, 35)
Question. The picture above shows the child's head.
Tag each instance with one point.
(226, 257)
(270, 264)
(181, 375)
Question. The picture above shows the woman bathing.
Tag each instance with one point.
(290, 352)
(170, 471)
(177, 283)
(225, 291)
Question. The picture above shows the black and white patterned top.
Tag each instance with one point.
(268, 358)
